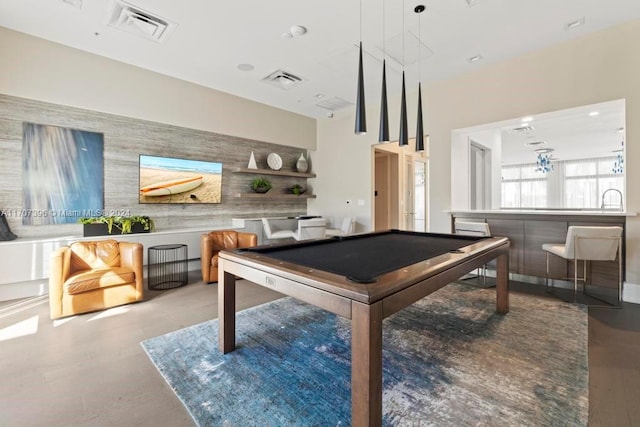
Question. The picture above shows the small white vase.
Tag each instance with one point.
(252, 162)
(302, 165)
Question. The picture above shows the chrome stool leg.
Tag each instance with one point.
(546, 276)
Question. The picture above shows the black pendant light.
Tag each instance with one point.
(420, 126)
(403, 138)
(383, 135)
(361, 115)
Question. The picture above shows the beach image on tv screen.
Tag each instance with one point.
(171, 180)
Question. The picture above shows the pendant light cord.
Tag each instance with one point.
(384, 41)
(419, 47)
(402, 35)
(360, 21)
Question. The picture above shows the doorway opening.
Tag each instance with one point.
(479, 176)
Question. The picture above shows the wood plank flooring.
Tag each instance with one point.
(91, 369)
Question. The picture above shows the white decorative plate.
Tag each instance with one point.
(274, 161)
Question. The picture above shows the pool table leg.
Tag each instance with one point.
(226, 311)
(502, 284)
(366, 364)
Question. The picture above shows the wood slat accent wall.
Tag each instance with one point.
(124, 140)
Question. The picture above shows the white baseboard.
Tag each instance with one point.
(631, 293)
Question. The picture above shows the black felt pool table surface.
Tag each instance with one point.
(362, 258)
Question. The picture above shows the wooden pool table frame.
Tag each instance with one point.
(365, 304)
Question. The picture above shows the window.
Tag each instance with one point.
(587, 180)
(575, 184)
(522, 187)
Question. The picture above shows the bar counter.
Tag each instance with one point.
(529, 229)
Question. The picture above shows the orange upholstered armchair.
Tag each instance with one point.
(90, 276)
(215, 241)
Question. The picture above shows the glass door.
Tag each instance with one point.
(415, 196)
(420, 195)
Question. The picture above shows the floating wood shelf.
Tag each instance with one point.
(274, 172)
(274, 196)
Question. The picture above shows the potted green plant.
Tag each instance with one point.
(260, 185)
(298, 189)
(104, 225)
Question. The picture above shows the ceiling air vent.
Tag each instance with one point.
(334, 104)
(132, 19)
(282, 79)
(523, 129)
(534, 143)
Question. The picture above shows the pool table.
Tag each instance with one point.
(365, 278)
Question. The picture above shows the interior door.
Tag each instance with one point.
(381, 192)
(387, 194)
(479, 176)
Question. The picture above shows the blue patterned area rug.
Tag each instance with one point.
(448, 360)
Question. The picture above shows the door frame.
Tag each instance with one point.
(398, 181)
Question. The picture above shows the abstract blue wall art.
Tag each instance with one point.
(63, 174)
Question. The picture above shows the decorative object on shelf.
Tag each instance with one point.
(260, 185)
(252, 162)
(618, 166)
(361, 115)
(302, 165)
(298, 189)
(274, 161)
(544, 163)
(420, 126)
(105, 225)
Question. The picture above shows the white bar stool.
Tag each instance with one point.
(588, 244)
(468, 228)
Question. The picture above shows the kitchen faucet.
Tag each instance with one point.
(602, 206)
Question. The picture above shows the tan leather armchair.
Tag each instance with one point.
(215, 241)
(90, 276)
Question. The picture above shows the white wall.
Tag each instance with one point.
(37, 69)
(344, 169)
(460, 180)
(599, 67)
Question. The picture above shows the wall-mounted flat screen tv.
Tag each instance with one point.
(171, 180)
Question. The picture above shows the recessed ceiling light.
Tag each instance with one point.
(527, 119)
(319, 95)
(474, 58)
(298, 30)
(593, 113)
(534, 143)
(544, 150)
(574, 24)
(295, 31)
(245, 67)
(620, 130)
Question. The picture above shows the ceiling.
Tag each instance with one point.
(208, 39)
(588, 131)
